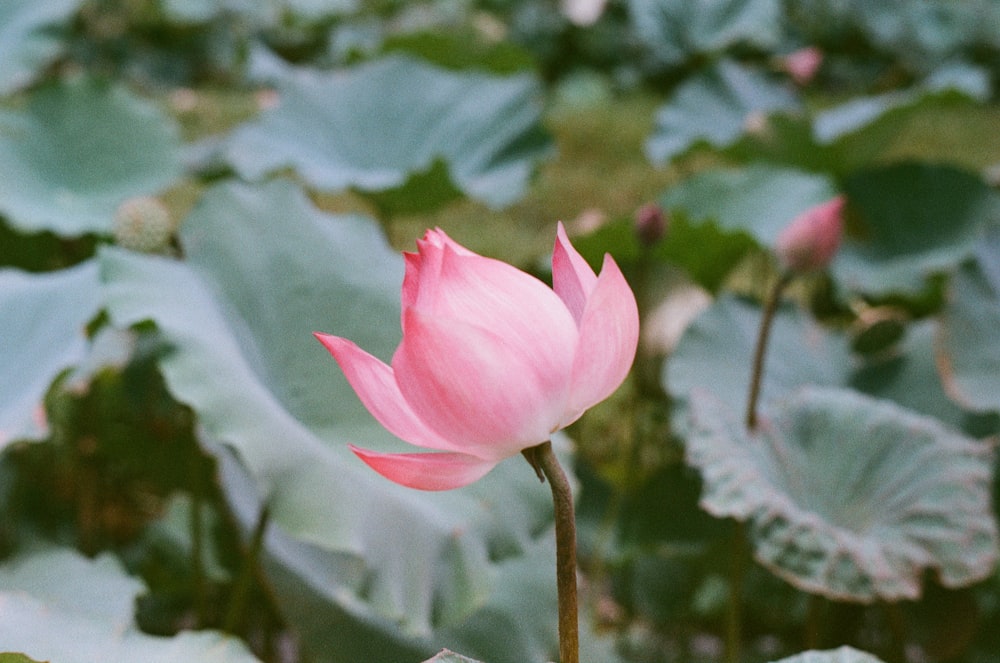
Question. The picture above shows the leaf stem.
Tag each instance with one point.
(565, 521)
(244, 583)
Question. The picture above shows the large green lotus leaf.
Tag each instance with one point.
(58, 606)
(913, 221)
(674, 31)
(847, 496)
(716, 352)
(759, 200)
(909, 376)
(445, 656)
(841, 655)
(76, 151)
(715, 106)
(263, 270)
(379, 125)
(42, 332)
(969, 337)
(27, 41)
(515, 623)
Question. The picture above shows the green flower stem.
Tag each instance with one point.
(244, 583)
(543, 458)
(737, 568)
(757, 375)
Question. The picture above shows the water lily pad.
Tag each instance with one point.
(969, 338)
(759, 200)
(263, 270)
(76, 151)
(849, 497)
(715, 106)
(377, 126)
(43, 332)
(914, 220)
(27, 38)
(841, 655)
(58, 605)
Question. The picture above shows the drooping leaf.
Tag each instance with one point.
(42, 332)
(76, 151)
(849, 497)
(759, 200)
(715, 106)
(842, 655)
(674, 31)
(914, 220)
(716, 352)
(380, 125)
(58, 605)
(263, 270)
(27, 39)
(968, 347)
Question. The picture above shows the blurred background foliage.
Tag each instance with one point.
(189, 187)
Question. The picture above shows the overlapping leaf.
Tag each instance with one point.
(264, 269)
(715, 355)
(847, 496)
(27, 39)
(395, 122)
(58, 605)
(42, 332)
(76, 151)
(969, 337)
(675, 31)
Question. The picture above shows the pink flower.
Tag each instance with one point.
(492, 360)
(803, 64)
(812, 238)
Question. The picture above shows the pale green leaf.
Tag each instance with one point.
(841, 655)
(849, 497)
(76, 151)
(27, 38)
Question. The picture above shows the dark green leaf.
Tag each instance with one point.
(912, 221)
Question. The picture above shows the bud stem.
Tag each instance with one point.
(565, 521)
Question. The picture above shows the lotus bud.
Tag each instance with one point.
(809, 242)
(650, 224)
(143, 224)
(803, 64)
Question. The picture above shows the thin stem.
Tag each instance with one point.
(244, 583)
(757, 375)
(734, 615)
(565, 520)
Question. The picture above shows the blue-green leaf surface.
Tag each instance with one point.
(385, 124)
(27, 38)
(849, 497)
(841, 655)
(968, 348)
(42, 332)
(715, 106)
(58, 606)
(76, 151)
(263, 270)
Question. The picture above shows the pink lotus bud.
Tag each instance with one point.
(810, 240)
(492, 360)
(650, 224)
(803, 64)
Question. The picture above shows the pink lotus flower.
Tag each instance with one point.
(812, 238)
(492, 360)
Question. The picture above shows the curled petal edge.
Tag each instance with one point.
(427, 471)
(609, 336)
(375, 384)
(572, 278)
